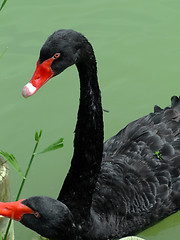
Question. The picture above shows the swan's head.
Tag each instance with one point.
(48, 217)
(61, 50)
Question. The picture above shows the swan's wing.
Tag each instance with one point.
(140, 176)
(158, 131)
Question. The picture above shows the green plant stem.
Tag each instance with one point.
(23, 181)
(27, 171)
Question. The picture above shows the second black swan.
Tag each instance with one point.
(112, 189)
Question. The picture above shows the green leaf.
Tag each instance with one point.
(58, 144)
(1, 236)
(2, 5)
(38, 135)
(158, 155)
(3, 52)
(12, 160)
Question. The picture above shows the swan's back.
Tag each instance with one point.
(139, 182)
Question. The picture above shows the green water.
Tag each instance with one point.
(137, 45)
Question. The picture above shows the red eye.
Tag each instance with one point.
(56, 55)
(36, 214)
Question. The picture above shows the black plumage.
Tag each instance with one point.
(118, 188)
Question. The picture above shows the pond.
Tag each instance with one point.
(137, 45)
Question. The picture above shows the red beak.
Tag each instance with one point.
(41, 75)
(14, 210)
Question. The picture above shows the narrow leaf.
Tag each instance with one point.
(2, 5)
(36, 137)
(58, 144)
(1, 236)
(3, 52)
(12, 160)
(40, 133)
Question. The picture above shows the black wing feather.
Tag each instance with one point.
(139, 182)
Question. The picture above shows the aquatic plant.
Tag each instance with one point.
(13, 161)
(3, 4)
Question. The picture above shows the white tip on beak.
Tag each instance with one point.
(28, 90)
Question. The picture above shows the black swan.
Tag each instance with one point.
(111, 190)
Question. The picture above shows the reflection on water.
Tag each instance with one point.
(137, 44)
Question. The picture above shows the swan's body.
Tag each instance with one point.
(112, 190)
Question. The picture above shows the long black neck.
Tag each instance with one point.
(80, 182)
